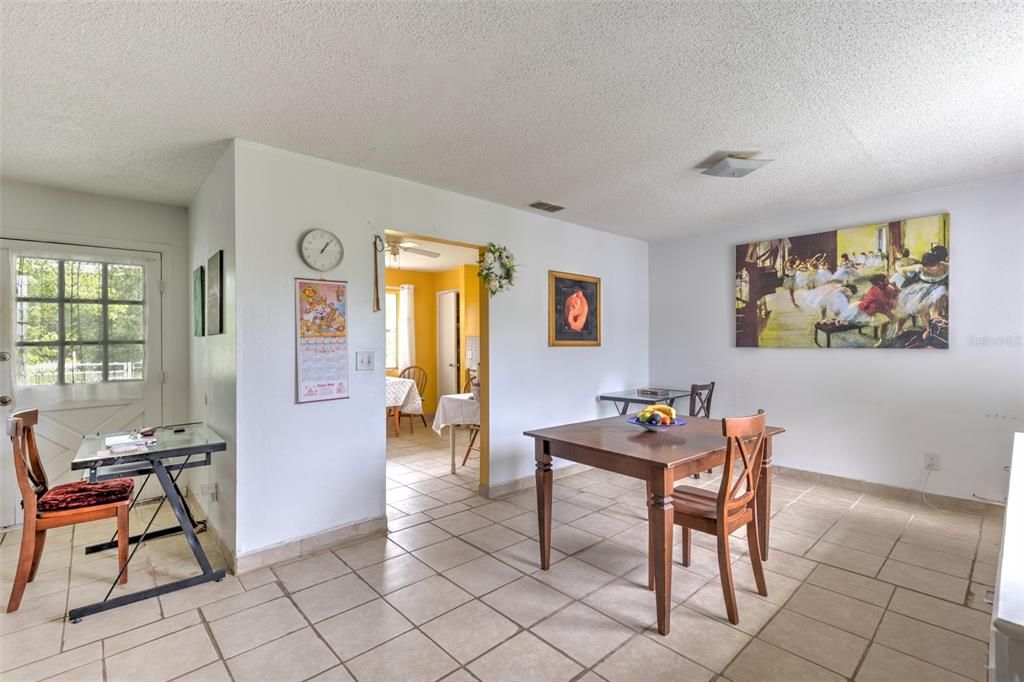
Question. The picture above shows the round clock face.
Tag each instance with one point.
(322, 250)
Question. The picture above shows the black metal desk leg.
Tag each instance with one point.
(176, 501)
(625, 407)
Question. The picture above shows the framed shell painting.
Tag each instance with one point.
(880, 285)
(574, 309)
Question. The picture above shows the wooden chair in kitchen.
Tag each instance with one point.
(474, 429)
(61, 505)
(730, 508)
(700, 403)
(419, 377)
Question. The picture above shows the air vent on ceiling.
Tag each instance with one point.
(545, 206)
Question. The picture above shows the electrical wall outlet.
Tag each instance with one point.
(364, 361)
(931, 461)
(209, 489)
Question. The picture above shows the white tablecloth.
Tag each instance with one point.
(459, 408)
(403, 394)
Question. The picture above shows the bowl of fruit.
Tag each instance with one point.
(657, 418)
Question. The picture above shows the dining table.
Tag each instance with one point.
(657, 458)
(456, 409)
(401, 396)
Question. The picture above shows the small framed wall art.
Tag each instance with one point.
(198, 303)
(574, 309)
(214, 294)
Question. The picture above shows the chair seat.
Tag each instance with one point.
(84, 494)
(695, 501)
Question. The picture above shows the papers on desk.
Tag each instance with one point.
(120, 441)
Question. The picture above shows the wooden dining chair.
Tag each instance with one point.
(474, 429)
(732, 507)
(419, 376)
(700, 403)
(61, 505)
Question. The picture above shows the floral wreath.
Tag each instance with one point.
(497, 268)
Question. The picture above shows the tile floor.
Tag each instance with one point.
(860, 587)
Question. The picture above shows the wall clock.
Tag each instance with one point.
(321, 250)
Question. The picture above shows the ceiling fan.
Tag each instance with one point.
(396, 247)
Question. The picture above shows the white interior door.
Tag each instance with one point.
(448, 343)
(80, 329)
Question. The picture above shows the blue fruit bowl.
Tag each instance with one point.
(657, 427)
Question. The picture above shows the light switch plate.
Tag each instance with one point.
(364, 360)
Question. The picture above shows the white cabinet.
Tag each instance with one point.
(1006, 650)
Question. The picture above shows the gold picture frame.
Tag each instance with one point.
(574, 309)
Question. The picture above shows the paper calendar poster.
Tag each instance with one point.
(321, 340)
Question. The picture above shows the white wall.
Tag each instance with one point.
(303, 469)
(213, 361)
(866, 414)
(57, 215)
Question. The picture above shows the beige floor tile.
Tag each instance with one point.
(241, 602)
(526, 601)
(883, 664)
(368, 552)
(984, 573)
(846, 613)
(847, 558)
(90, 672)
(469, 630)
(701, 639)
(362, 628)
(34, 611)
(787, 541)
(754, 611)
(925, 580)
(684, 582)
(763, 662)
(946, 649)
(851, 584)
(249, 629)
(419, 503)
(292, 658)
(524, 657)
(574, 578)
(406, 521)
(632, 605)
(802, 524)
(857, 539)
(979, 597)
(931, 559)
(603, 525)
(395, 573)
(193, 650)
(447, 554)
(333, 597)
(789, 564)
(498, 511)
(643, 659)
(257, 578)
(525, 556)
(583, 633)
(214, 672)
(493, 538)
(194, 597)
(940, 612)
(336, 674)
(612, 558)
(823, 644)
(564, 512)
(780, 587)
(428, 599)
(570, 539)
(58, 664)
(298, 575)
(463, 522)
(482, 575)
(409, 657)
(148, 633)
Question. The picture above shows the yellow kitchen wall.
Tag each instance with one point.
(469, 311)
(425, 302)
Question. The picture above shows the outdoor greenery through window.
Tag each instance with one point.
(78, 322)
(391, 329)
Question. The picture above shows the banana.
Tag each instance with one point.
(664, 409)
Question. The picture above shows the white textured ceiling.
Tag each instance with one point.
(605, 108)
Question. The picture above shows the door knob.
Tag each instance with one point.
(5, 400)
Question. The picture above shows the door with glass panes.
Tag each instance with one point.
(80, 335)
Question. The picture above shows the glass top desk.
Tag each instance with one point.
(178, 447)
(644, 396)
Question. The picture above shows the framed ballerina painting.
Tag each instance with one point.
(574, 309)
(882, 285)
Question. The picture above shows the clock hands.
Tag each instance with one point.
(325, 247)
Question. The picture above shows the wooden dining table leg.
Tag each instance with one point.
(650, 545)
(660, 517)
(763, 500)
(544, 477)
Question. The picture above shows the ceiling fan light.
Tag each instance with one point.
(733, 167)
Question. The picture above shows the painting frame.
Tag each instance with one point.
(560, 333)
(215, 294)
(199, 301)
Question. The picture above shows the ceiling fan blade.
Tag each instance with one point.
(421, 252)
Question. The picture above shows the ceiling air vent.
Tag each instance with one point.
(545, 206)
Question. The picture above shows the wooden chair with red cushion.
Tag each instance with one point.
(61, 505)
(732, 507)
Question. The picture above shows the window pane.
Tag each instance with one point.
(37, 278)
(83, 364)
(125, 282)
(83, 321)
(36, 321)
(37, 365)
(391, 351)
(391, 311)
(125, 322)
(83, 279)
(126, 362)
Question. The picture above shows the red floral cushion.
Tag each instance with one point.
(83, 494)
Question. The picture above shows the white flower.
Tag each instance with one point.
(488, 260)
